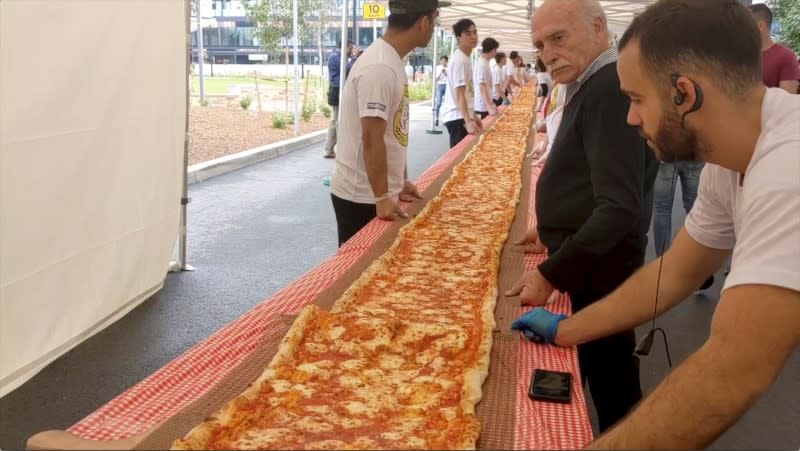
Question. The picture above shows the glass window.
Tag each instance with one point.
(211, 37)
(228, 37)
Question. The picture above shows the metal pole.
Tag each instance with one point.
(180, 264)
(296, 74)
(374, 30)
(343, 59)
(200, 51)
(355, 23)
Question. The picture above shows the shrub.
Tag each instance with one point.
(309, 108)
(204, 102)
(326, 110)
(281, 120)
(420, 90)
(245, 102)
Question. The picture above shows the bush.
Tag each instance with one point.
(281, 120)
(309, 108)
(245, 102)
(204, 102)
(326, 110)
(419, 91)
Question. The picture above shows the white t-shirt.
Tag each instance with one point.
(759, 218)
(483, 74)
(459, 73)
(497, 79)
(441, 75)
(510, 71)
(544, 78)
(376, 87)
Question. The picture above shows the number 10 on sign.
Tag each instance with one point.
(374, 11)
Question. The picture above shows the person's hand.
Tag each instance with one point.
(533, 289)
(538, 325)
(472, 127)
(409, 192)
(492, 110)
(386, 209)
(531, 241)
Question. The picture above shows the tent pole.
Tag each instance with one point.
(181, 265)
(200, 56)
(344, 56)
(434, 130)
(296, 74)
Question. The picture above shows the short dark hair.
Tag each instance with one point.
(461, 26)
(761, 12)
(513, 55)
(402, 22)
(540, 65)
(499, 57)
(444, 57)
(489, 44)
(716, 37)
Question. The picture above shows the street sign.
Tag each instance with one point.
(374, 11)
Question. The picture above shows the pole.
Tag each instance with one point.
(296, 74)
(343, 50)
(180, 264)
(200, 51)
(374, 30)
(355, 23)
(433, 130)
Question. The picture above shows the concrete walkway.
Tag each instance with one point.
(251, 232)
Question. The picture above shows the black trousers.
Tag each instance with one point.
(351, 217)
(457, 130)
(497, 102)
(608, 365)
(482, 114)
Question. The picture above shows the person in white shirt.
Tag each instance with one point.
(459, 99)
(544, 82)
(510, 72)
(370, 175)
(440, 74)
(498, 90)
(692, 69)
(483, 79)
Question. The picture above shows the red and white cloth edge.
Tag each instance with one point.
(189, 376)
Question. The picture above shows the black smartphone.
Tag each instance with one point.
(553, 386)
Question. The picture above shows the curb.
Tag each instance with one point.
(206, 170)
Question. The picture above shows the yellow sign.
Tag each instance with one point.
(374, 11)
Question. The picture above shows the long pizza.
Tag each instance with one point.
(399, 361)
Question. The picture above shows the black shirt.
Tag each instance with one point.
(594, 196)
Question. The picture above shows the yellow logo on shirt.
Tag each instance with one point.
(553, 100)
(400, 125)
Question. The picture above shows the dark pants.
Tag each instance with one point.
(497, 102)
(608, 365)
(457, 130)
(482, 114)
(351, 217)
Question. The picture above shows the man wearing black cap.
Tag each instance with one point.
(370, 175)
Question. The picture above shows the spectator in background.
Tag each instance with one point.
(498, 93)
(459, 99)
(483, 79)
(510, 72)
(544, 83)
(440, 74)
(778, 63)
(334, 66)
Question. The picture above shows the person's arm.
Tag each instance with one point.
(789, 85)
(487, 98)
(687, 264)
(753, 333)
(617, 158)
(789, 72)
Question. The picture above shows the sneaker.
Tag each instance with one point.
(329, 154)
(436, 123)
(326, 180)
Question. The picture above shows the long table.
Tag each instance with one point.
(535, 424)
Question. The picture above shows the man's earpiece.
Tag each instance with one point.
(680, 96)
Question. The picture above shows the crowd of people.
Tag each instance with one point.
(696, 91)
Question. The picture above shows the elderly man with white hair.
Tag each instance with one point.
(593, 198)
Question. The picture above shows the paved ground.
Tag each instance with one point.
(250, 233)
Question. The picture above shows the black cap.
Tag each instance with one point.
(415, 6)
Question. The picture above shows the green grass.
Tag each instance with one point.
(222, 85)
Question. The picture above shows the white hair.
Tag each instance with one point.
(592, 10)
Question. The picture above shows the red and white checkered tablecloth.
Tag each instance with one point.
(185, 379)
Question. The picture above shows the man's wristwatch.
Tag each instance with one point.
(382, 197)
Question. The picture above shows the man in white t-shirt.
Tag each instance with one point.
(498, 90)
(483, 79)
(440, 74)
(459, 99)
(510, 72)
(710, 104)
(370, 175)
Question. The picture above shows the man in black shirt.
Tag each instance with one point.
(594, 197)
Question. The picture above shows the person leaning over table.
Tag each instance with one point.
(692, 69)
(370, 174)
(498, 93)
(594, 196)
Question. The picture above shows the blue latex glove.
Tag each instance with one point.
(538, 325)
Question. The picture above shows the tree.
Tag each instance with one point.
(273, 19)
(787, 13)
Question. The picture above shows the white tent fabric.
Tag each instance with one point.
(92, 130)
(508, 21)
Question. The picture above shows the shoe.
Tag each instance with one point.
(329, 154)
(326, 180)
(436, 123)
(707, 284)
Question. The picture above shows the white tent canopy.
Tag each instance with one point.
(508, 21)
(92, 135)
